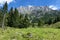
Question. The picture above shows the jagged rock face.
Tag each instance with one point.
(35, 12)
(29, 9)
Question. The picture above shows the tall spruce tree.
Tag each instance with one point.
(26, 21)
(1, 16)
(5, 9)
(21, 18)
(16, 17)
(10, 17)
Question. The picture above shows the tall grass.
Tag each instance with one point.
(31, 33)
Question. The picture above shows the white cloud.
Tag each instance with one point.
(3, 1)
(29, 6)
(53, 7)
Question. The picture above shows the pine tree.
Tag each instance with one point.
(1, 16)
(16, 18)
(26, 21)
(10, 17)
(21, 18)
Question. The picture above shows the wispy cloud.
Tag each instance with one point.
(55, 4)
(3, 1)
(53, 7)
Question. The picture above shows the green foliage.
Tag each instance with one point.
(5, 7)
(24, 21)
(4, 12)
(10, 18)
(56, 25)
(15, 18)
(1, 16)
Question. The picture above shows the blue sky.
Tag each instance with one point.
(32, 2)
(17, 3)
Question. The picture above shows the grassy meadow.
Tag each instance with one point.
(30, 33)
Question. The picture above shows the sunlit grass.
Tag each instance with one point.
(36, 33)
(45, 33)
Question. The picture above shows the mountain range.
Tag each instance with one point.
(29, 9)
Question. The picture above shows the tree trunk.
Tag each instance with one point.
(3, 21)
